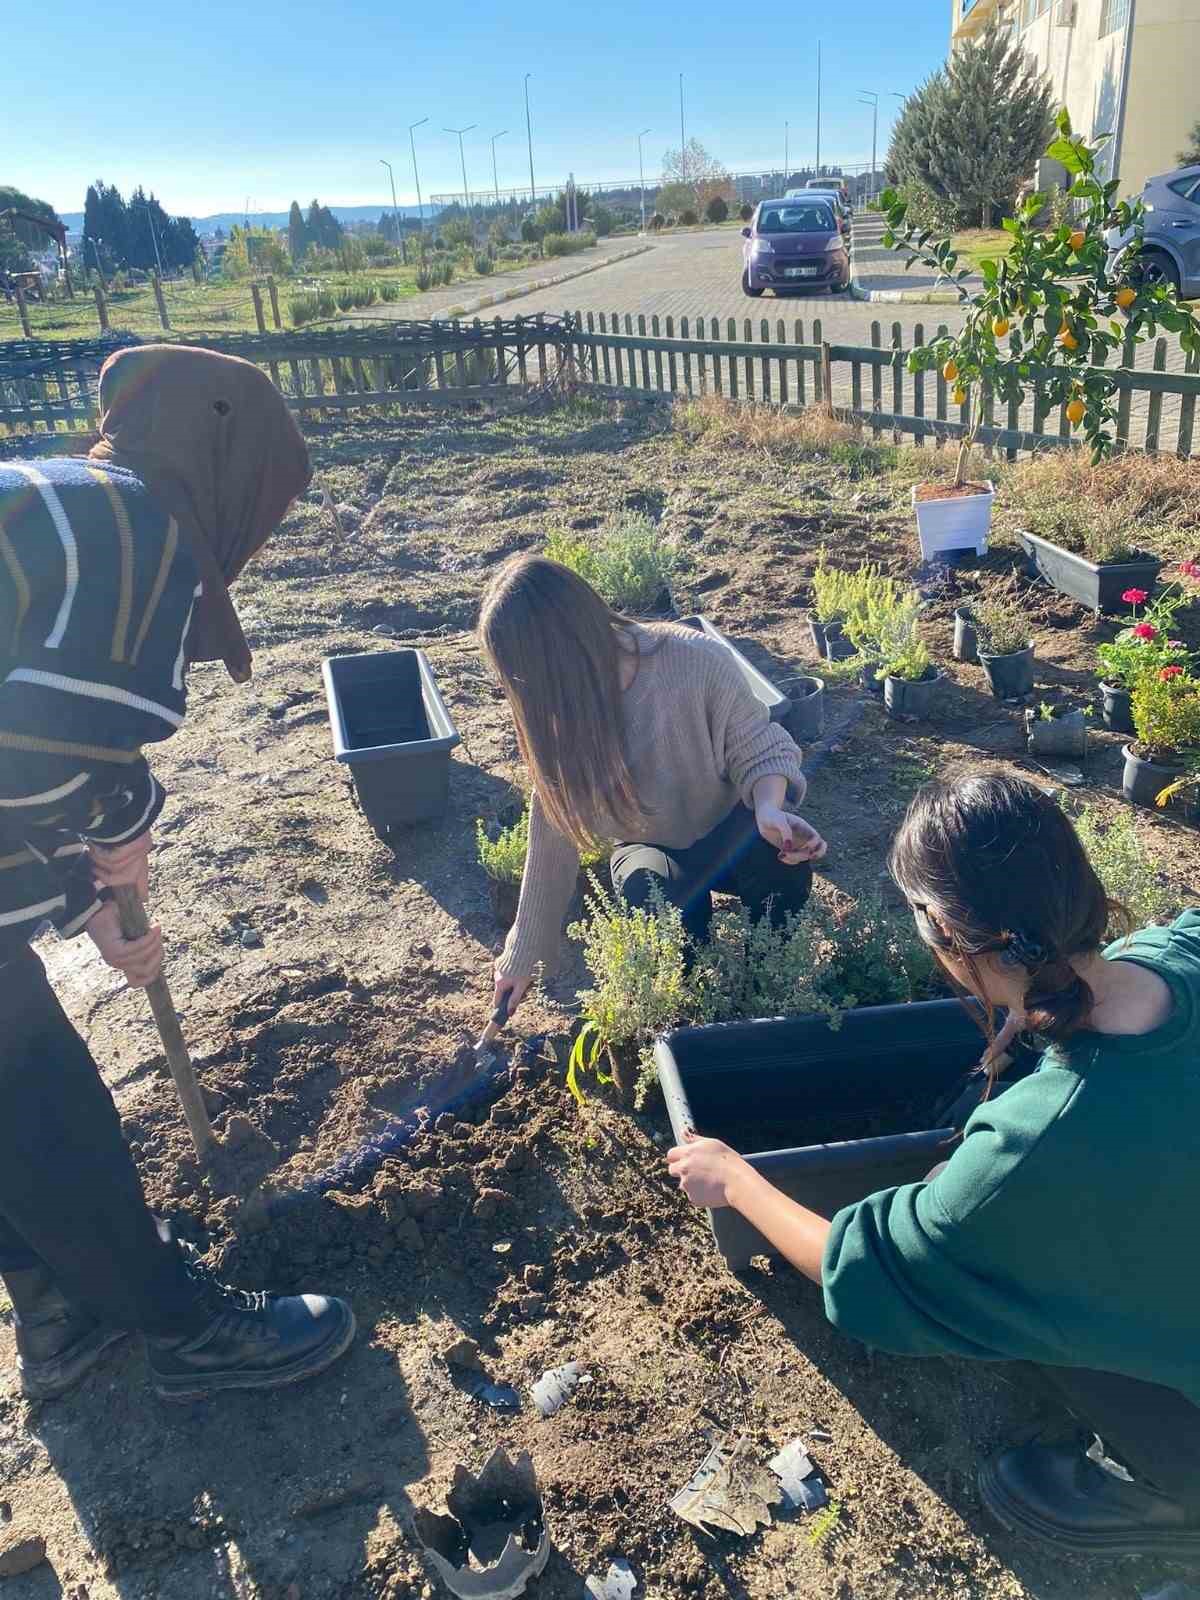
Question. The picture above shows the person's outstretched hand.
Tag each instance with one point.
(706, 1169)
(515, 988)
(795, 839)
(139, 959)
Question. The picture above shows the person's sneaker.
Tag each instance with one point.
(252, 1340)
(57, 1343)
(1081, 1501)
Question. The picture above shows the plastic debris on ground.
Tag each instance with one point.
(803, 1489)
(467, 1374)
(494, 1538)
(729, 1491)
(618, 1584)
(555, 1387)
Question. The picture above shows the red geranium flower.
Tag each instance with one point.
(1167, 673)
(1135, 597)
(1190, 569)
(1145, 631)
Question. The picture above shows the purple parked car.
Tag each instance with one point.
(794, 244)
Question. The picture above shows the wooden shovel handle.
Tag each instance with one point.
(134, 925)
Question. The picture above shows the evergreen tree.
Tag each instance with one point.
(1191, 156)
(974, 130)
(297, 234)
(324, 229)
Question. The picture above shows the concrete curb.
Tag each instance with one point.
(520, 290)
(911, 297)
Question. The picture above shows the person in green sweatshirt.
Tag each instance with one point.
(1062, 1230)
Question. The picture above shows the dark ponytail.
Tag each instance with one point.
(991, 865)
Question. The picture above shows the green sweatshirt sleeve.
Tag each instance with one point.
(940, 1268)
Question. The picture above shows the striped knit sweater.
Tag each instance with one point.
(696, 740)
(96, 595)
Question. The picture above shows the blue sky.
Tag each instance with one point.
(210, 103)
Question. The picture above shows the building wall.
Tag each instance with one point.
(1085, 67)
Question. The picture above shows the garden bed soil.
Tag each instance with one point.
(944, 489)
(330, 987)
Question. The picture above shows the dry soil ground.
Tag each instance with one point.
(329, 983)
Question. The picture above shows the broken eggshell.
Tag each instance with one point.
(495, 1538)
(555, 1387)
(618, 1585)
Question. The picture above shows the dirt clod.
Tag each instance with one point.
(20, 1552)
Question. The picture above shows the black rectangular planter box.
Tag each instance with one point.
(391, 728)
(1099, 588)
(798, 1073)
(777, 703)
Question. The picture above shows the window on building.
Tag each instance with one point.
(1027, 12)
(1113, 15)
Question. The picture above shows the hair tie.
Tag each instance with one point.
(1029, 952)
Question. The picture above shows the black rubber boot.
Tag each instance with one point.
(1063, 1496)
(249, 1340)
(57, 1343)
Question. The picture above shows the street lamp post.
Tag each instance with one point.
(529, 140)
(395, 208)
(642, 175)
(868, 97)
(463, 159)
(154, 238)
(495, 179)
(786, 132)
(412, 144)
(682, 135)
(818, 168)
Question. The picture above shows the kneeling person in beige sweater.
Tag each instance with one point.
(646, 736)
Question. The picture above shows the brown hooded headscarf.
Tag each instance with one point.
(214, 442)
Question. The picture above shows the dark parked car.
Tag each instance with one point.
(1170, 250)
(794, 244)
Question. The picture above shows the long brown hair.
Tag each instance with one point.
(556, 648)
(990, 864)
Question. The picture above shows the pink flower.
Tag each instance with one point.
(1190, 569)
(1176, 644)
(1135, 597)
(1167, 673)
(1145, 631)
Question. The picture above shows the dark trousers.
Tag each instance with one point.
(1153, 1431)
(733, 859)
(70, 1196)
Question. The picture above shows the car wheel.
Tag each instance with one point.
(748, 287)
(1154, 267)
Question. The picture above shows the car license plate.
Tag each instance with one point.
(800, 272)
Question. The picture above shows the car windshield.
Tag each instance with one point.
(796, 219)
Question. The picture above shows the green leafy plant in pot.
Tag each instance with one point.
(1057, 730)
(1163, 762)
(503, 860)
(910, 679)
(1143, 644)
(1047, 316)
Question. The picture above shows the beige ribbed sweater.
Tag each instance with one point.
(696, 741)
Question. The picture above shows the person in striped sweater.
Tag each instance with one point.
(113, 577)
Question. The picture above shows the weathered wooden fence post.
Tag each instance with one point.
(827, 376)
(273, 291)
(160, 299)
(23, 312)
(101, 307)
(256, 296)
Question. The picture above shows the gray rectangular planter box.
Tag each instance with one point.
(1099, 588)
(391, 728)
(797, 1072)
(777, 703)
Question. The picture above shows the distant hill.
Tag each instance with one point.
(268, 219)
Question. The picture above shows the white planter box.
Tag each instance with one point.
(960, 523)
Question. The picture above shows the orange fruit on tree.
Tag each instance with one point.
(950, 371)
(1068, 340)
(1075, 412)
(1077, 240)
(1000, 327)
(959, 396)
(1125, 297)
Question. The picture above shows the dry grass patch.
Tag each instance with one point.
(786, 433)
(1131, 502)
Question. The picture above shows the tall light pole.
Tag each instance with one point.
(868, 97)
(495, 179)
(682, 135)
(154, 237)
(818, 171)
(412, 144)
(463, 159)
(529, 139)
(642, 175)
(786, 132)
(395, 209)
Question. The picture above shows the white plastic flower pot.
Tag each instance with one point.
(961, 522)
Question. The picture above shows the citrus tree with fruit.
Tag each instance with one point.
(1049, 315)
